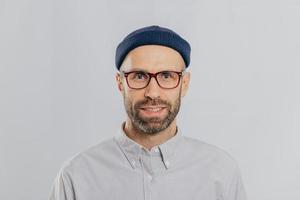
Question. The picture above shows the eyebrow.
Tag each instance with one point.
(144, 70)
(138, 70)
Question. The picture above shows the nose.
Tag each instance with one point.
(152, 90)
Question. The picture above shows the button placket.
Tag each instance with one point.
(145, 160)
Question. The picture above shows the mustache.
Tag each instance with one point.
(152, 102)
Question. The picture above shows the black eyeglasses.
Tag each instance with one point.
(141, 79)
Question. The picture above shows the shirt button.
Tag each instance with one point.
(167, 163)
(156, 150)
(133, 162)
(150, 177)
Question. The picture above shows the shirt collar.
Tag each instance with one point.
(133, 150)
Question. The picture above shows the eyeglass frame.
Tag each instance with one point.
(154, 75)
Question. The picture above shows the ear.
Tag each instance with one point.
(185, 83)
(119, 82)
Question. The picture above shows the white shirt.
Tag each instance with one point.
(182, 168)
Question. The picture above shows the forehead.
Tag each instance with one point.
(153, 58)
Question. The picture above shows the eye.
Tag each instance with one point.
(139, 76)
(167, 75)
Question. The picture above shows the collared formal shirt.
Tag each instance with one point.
(182, 168)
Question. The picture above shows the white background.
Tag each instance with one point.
(58, 93)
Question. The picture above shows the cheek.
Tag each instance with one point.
(172, 96)
(133, 96)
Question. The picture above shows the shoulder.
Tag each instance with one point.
(213, 156)
(217, 164)
(96, 154)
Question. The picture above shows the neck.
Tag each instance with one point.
(149, 141)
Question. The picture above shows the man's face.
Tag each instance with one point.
(152, 109)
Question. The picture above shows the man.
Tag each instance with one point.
(150, 158)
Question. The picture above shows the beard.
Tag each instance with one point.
(152, 125)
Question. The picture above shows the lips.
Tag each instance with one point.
(152, 111)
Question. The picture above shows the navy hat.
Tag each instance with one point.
(153, 35)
